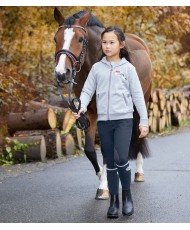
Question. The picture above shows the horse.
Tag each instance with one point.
(78, 47)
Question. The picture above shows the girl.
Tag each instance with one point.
(117, 87)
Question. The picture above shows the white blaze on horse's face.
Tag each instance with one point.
(68, 36)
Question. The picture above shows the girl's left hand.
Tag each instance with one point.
(143, 130)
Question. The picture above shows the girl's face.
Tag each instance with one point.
(111, 46)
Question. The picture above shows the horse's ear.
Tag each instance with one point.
(58, 16)
(84, 19)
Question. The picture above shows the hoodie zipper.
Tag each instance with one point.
(109, 93)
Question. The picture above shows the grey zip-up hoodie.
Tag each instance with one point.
(117, 87)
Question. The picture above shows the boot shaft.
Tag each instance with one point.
(114, 200)
(127, 201)
(126, 195)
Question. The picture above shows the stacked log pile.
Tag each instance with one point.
(168, 108)
(40, 124)
(41, 127)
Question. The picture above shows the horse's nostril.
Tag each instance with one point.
(60, 77)
(68, 72)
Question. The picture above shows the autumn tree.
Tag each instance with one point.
(27, 45)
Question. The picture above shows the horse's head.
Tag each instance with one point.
(71, 46)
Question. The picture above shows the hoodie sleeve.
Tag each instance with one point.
(138, 96)
(88, 90)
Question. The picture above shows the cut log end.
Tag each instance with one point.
(52, 118)
(43, 150)
(68, 144)
(58, 145)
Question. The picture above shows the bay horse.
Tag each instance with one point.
(78, 47)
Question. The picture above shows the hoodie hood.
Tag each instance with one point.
(114, 64)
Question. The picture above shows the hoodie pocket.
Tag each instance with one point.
(120, 103)
(127, 99)
(102, 102)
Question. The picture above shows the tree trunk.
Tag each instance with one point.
(31, 120)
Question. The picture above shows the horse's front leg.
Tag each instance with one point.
(89, 149)
(139, 174)
(102, 191)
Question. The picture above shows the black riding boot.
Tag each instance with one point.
(128, 208)
(114, 206)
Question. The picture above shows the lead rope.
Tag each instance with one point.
(82, 122)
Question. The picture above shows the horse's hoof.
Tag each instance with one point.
(102, 194)
(139, 177)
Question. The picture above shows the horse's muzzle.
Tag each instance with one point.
(63, 77)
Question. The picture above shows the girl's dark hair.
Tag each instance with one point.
(121, 37)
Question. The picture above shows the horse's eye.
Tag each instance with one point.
(81, 39)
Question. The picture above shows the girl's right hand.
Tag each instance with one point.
(77, 115)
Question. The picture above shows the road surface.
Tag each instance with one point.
(64, 192)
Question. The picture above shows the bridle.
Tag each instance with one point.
(76, 63)
(82, 122)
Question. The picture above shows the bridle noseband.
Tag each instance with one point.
(82, 122)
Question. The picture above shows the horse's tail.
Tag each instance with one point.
(138, 144)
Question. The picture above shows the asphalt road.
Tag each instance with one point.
(64, 191)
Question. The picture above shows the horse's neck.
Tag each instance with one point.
(94, 44)
(93, 56)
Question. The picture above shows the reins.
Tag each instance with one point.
(82, 122)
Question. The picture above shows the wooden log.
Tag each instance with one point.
(53, 143)
(154, 96)
(154, 125)
(173, 106)
(186, 88)
(52, 138)
(56, 101)
(35, 105)
(68, 144)
(59, 111)
(31, 120)
(163, 122)
(168, 106)
(159, 124)
(150, 123)
(155, 110)
(160, 94)
(35, 150)
(162, 103)
(150, 105)
(79, 138)
(174, 119)
(68, 121)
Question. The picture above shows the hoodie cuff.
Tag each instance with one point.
(144, 122)
(84, 107)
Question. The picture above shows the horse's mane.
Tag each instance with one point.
(93, 21)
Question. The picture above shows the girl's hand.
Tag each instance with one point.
(77, 115)
(143, 130)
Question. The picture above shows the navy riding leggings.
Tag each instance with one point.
(115, 137)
